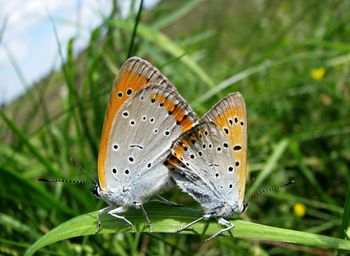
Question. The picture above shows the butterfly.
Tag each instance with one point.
(145, 115)
(209, 161)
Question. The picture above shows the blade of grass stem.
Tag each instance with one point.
(168, 219)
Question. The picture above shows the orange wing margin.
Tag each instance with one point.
(134, 75)
(230, 115)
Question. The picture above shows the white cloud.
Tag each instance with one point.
(30, 38)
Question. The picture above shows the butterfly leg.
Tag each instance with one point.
(204, 217)
(223, 222)
(99, 217)
(118, 210)
(139, 205)
(167, 202)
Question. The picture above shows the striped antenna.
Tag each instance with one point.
(61, 180)
(83, 170)
(73, 181)
(270, 189)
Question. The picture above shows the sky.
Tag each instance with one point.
(28, 41)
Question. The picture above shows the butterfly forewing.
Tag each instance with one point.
(230, 115)
(141, 137)
(134, 75)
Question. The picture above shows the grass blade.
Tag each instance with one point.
(167, 219)
(165, 43)
(346, 216)
(171, 18)
(270, 165)
(295, 150)
(35, 151)
(256, 69)
(131, 50)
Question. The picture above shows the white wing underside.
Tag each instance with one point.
(142, 134)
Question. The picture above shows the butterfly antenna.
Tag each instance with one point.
(61, 180)
(270, 189)
(83, 170)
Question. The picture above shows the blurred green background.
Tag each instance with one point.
(289, 59)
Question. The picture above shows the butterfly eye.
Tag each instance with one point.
(95, 191)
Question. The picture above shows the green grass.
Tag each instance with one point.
(167, 219)
(298, 128)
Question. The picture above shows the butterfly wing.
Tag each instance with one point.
(140, 140)
(209, 161)
(134, 75)
(230, 116)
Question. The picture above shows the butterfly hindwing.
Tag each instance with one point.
(230, 115)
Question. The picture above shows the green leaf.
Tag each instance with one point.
(168, 219)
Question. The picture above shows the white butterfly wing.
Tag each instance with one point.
(142, 134)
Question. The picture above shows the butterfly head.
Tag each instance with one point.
(96, 190)
(245, 206)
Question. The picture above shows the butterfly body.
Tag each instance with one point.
(209, 161)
